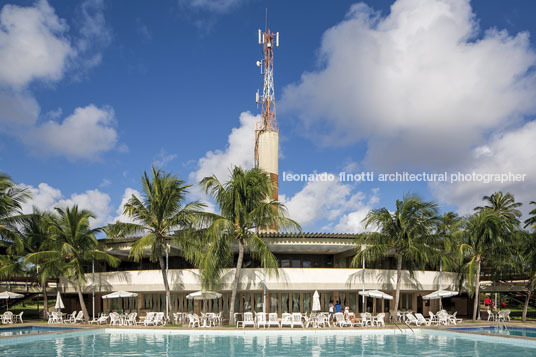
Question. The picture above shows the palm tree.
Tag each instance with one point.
(72, 246)
(531, 221)
(482, 239)
(245, 208)
(157, 218)
(34, 230)
(11, 199)
(505, 206)
(450, 234)
(526, 259)
(406, 234)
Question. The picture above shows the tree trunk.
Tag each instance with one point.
(164, 277)
(45, 301)
(476, 303)
(236, 280)
(398, 283)
(82, 302)
(526, 305)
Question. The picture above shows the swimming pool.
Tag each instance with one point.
(511, 331)
(27, 330)
(121, 342)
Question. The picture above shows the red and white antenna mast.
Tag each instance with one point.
(267, 132)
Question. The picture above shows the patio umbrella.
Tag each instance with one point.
(120, 294)
(203, 295)
(316, 302)
(6, 295)
(439, 294)
(376, 294)
(59, 302)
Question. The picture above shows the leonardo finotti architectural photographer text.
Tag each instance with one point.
(370, 176)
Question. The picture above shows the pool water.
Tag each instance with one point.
(109, 342)
(27, 330)
(512, 331)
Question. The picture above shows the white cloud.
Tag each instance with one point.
(239, 152)
(93, 200)
(36, 45)
(353, 221)
(17, 109)
(94, 33)
(163, 158)
(509, 152)
(46, 197)
(121, 217)
(84, 134)
(43, 197)
(329, 203)
(421, 85)
(32, 44)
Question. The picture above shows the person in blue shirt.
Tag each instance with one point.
(337, 306)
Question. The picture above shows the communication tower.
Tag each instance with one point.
(266, 131)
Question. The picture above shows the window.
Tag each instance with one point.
(273, 302)
(284, 302)
(296, 302)
(258, 302)
(307, 302)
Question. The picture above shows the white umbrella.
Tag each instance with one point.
(316, 301)
(6, 295)
(203, 295)
(439, 294)
(376, 294)
(59, 302)
(120, 294)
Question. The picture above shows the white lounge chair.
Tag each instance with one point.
(261, 319)
(297, 320)
(273, 320)
(421, 320)
(442, 318)
(340, 320)
(147, 320)
(410, 319)
(100, 320)
(70, 317)
(455, 320)
(248, 320)
(286, 319)
(78, 318)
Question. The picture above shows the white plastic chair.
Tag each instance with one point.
(273, 320)
(340, 320)
(261, 319)
(379, 319)
(147, 320)
(248, 320)
(286, 319)
(410, 319)
(159, 319)
(421, 320)
(7, 317)
(297, 320)
(100, 320)
(78, 318)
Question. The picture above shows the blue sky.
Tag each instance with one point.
(93, 93)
